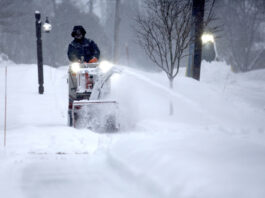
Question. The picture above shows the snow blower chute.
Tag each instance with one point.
(89, 85)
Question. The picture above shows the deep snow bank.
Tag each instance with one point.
(221, 98)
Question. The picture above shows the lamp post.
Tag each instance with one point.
(47, 28)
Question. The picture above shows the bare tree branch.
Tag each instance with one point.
(164, 32)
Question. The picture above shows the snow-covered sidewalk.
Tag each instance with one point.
(214, 145)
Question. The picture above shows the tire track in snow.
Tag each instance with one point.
(137, 179)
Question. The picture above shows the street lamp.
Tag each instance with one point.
(47, 28)
(207, 37)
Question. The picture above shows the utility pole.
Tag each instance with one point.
(194, 65)
(116, 31)
(39, 51)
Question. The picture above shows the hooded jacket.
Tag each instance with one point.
(82, 47)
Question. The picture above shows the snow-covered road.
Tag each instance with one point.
(213, 146)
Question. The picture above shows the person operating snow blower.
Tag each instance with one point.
(82, 47)
(89, 86)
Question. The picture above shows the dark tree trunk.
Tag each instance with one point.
(91, 6)
(194, 67)
(116, 31)
(171, 107)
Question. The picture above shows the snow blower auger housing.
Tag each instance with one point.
(89, 85)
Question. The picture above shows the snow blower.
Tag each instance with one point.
(89, 86)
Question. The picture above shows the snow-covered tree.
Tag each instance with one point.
(163, 31)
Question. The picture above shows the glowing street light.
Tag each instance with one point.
(47, 27)
(207, 37)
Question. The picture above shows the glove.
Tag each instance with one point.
(93, 60)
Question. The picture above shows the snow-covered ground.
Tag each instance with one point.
(212, 147)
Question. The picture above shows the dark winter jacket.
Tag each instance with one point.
(85, 47)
